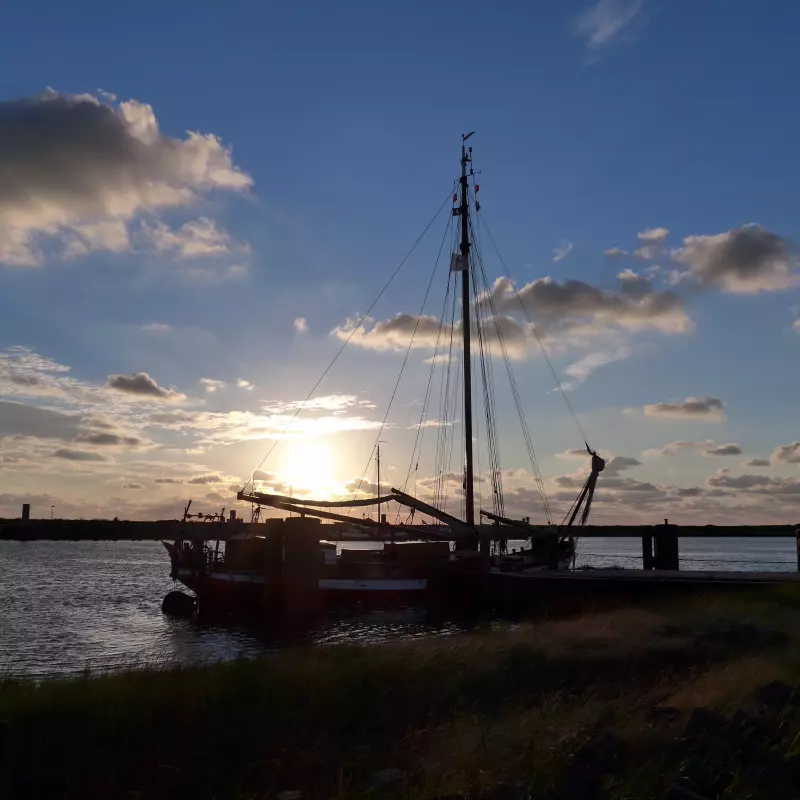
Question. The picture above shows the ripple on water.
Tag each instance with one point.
(69, 605)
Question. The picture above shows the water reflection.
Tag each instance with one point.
(69, 605)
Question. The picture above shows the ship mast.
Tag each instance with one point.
(463, 211)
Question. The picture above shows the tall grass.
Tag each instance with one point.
(451, 714)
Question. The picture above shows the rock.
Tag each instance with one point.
(704, 721)
(775, 696)
(388, 777)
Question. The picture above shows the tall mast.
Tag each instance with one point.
(466, 158)
(379, 480)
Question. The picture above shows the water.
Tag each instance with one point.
(66, 606)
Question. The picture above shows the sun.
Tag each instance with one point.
(308, 468)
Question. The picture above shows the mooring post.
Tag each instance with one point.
(667, 555)
(797, 541)
(647, 551)
(26, 511)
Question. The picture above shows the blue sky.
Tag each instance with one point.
(129, 247)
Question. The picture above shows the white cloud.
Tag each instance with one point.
(423, 332)
(653, 235)
(675, 448)
(211, 385)
(787, 453)
(157, 327)
(104, 234)
(300, 325)
(243, 384)
(76, 169)
(562, 251)
(744, 260)
(711, 409)
(602, 23)
(579, 371)
(616, 252)
(197, 238)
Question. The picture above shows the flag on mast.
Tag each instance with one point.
(457, 263)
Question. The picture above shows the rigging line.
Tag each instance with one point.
(489, 407)
(405, 358)
(444, 393)
(352, 333)
(484, 349)
(538, 339)
(423, 416)
(517, 399)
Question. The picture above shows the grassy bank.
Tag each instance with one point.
(595, 706)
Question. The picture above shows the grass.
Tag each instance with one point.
(453, 714)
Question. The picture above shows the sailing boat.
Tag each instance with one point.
(415, 557)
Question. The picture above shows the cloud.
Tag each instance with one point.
(575, 452)
(617, 464)
(653, 235)
(575, 302)
(157, 327)
(711, 409)
(337, 403)
(731, 449)
(396, 334)
(108, 440)
(616, 252)
(168, 480)
(132, 485)
(562, 251)
(197, 238)
(653, 246)
(77, 167)
(243, 384)
(25, 420)
(743, 260)
(756, 462)
(211, 385)
(204, 479)
(796, 325)
(433, 423)
(603, 23)
(143, 385)
(300, 325)
(579, 371)
(787, 453)
(78, 455)
(87, 237)
(780, 488)
(675, 448)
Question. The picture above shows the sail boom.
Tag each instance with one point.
(456, 525)
(271, 499)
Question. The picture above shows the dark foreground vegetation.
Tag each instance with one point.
(692, 701)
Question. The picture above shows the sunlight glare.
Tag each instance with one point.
(309, 468)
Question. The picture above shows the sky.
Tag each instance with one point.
(200, 204)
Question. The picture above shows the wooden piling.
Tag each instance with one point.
(667, 555)
(797, 540)
(647, 552)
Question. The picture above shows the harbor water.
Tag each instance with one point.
(70, 606)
